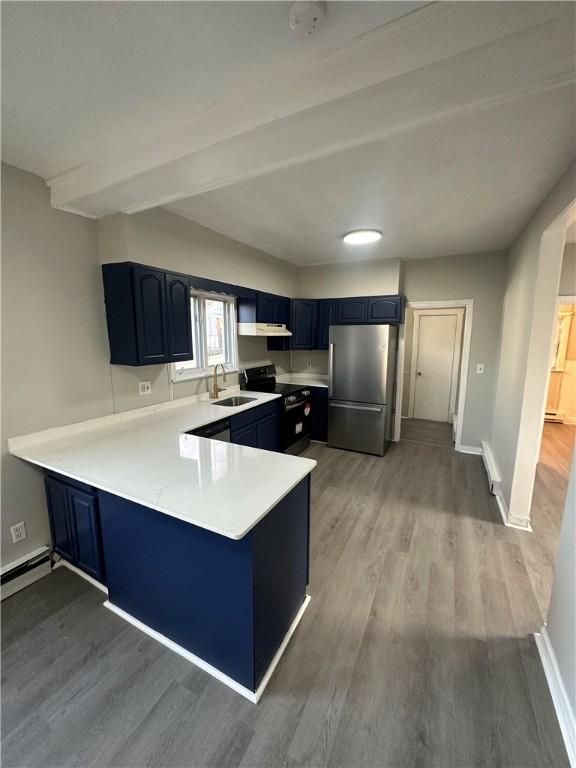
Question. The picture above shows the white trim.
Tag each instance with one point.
(468, 305)
(399, 384)
(253, 696)
(24, 559)
(472, 449)
(560, 699)
(458, 312)
(27, 578)
(537, 374)
(65, 564)
(507, 519)
(492, 470)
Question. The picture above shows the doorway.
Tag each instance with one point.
(434, 347)
(435, 363)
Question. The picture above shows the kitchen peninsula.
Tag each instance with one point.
(202, 544)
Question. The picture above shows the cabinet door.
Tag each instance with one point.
(320, 414)
(179, 318)
(150, 311)
(304, 323)
(265, 308)
(281, 310)
(327, 316)
(85, 524)
(60, 527)
(247, 435)
(268, 433)
(353, 310)
(385, 309)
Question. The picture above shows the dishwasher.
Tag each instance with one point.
(217, 430)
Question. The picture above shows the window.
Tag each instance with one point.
(214, 336)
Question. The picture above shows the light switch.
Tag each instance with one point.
(479, 367)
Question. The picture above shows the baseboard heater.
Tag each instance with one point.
(25, 571)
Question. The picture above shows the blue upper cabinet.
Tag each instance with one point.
(265, 304)
(151, 315)
(327, 316)
(353, 310)
(386, 309)
(281, 310)
(148, 314)
(179, 319)
(304, 316)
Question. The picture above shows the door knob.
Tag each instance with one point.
(419, 373)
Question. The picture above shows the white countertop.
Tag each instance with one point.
(311, 379)
(144, 456)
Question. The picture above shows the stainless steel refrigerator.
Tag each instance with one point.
(362, 372)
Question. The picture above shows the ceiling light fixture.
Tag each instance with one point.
(362, 236)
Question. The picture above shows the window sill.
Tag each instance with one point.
(200, 375)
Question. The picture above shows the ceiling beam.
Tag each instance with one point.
(432, 64)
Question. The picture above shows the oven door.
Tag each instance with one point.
(296, 426)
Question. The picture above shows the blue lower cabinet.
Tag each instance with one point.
(247, 435)
(85, 523)
(267, 433)
(319, 413)
(257, 427)
(59, 517)
(228, 602)
(75, 525)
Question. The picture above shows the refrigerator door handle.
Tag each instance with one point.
(372, 408)
(330, 368)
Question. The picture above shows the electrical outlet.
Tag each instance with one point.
(18, 532)
(308, 363)
(144, 387)
(479, 367)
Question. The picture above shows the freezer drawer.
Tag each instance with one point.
(357, 426)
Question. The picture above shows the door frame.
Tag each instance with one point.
(457, 312)
(468, 306)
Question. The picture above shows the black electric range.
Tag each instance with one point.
(296, 412)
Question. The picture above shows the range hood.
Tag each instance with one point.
(263, 329)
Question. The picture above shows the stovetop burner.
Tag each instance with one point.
(263, 379)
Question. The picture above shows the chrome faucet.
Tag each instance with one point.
(215, 388)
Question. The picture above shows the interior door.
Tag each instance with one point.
(435, 357)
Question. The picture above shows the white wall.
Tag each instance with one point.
(568, 275)
(359, 278)
(529, 307)
(479, 277)
(55, 368)
(54, 344)
(561, 621)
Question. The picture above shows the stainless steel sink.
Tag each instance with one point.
(232, 402)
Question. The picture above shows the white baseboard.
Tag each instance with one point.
(29, 577)
(566, 718)
(472, 449)
(494, 483)
(85, 576)
(253, 696)
(492, 470)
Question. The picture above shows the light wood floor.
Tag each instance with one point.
(426, 431)
(415, 650)
(549, 497)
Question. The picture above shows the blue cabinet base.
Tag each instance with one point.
(230, 603)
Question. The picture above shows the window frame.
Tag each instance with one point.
(179, 371)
